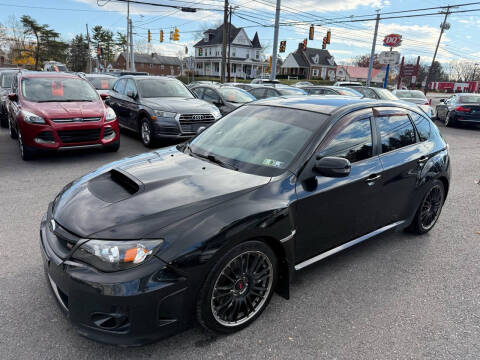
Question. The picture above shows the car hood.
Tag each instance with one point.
(134, 197)
(179, 105)
(66, 109)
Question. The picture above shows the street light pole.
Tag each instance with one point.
(443, 26)
(127, 57)
(372, 54)
(224, 44)
(273, 71)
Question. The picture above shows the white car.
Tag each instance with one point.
(348, 83)
(416, 97)
(264, 81)
(303, 83)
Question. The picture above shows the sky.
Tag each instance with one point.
(420, 34)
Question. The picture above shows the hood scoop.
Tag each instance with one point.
(114, 185)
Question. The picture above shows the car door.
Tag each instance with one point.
(402, 158)
(116, 98)
(331, 211)
(130, 105)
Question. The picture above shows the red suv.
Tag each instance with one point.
(52, 111)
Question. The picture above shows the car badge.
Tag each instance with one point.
(52, 223)
(78, 119)
(197, 117)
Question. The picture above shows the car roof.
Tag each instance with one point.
(147, 77)
(101, 75)
(49, 74)
(328, 105)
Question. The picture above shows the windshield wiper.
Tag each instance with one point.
(68, 100)
(212, 158)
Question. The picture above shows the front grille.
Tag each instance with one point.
(190, 123)
(46, 136)
(77, 136)
(70, 120)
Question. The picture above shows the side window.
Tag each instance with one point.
(130, 87)
(15, 85)
(329, 92)
(351, 140)
(210, 95)
(315, 91)
(258, 93)
(119, 86)
(396, 131)
(198, 92)
(271, 93)
(423, 126)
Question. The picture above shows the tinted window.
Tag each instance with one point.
(210, 95)
(258, 93)
(119, 86)
(130, 88)
(235, 95)
(423, 126)
(198, 92)
(369, 93)
(291, 91)
(351, 140)
(7, 79)
(271, 93)
(315, 91)
(101, 83)
(469, 99)
(396, 131)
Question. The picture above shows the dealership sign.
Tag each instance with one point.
(392, 40)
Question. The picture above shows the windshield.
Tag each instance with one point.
(469, 99)
(262, 140)
(236, 95)
(52, 89)
(284, 91)
(153, 88)
(348, 92)
(410, 94)
(385, 94)
(102, 83)
(7, 79)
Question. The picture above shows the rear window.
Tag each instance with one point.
(7, 79)
(102, 83)
(472, 99)
(410, 94)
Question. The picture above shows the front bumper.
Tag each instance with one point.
(130, 307)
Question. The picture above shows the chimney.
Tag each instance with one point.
(300, 47)
(153, 55)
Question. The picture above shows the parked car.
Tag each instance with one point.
(347, 83)
(159, 107)
(416, 97)
(264, 81)
(103, 83)
(207, 230)
(375, 93)
(331, 90)
(226, 98)
(6, 78)
(303, 84)
(459, 109)
(263, 92)
(53, 111)
(54, 66)
(203, 82)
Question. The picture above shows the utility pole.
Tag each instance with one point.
(224, 45)
(443, 26)
(372, 54)
(127, 56)
(132, 54)
(89, 64)
(273, 71)
(229, 41)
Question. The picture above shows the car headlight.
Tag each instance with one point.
(116, 255)
(32, 118)
(216, 114)
(110, 115)
(165, 114)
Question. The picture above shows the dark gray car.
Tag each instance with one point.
(226, 98)
(6, 78)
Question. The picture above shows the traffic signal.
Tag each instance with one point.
(324, 44)
(161, 35)
(311, 32)
(283, 45)
(329, 36)
(305, 43)
(176, 35)
(149, 37)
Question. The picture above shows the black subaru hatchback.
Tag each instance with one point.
(208, 230)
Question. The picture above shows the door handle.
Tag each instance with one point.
(422, 160)
(372, 178)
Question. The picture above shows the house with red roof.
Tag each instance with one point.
(357, 73)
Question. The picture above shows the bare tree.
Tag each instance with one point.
(462, 70)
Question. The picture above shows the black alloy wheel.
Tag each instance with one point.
(430, 209)
(238, 288)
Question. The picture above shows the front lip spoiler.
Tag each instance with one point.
(76, 147)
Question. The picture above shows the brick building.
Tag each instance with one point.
(152, 63)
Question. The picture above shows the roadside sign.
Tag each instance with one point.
(391, 58)
(392, 40)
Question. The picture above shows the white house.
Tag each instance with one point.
(246, 57)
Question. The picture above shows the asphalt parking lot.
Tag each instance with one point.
(398, 296)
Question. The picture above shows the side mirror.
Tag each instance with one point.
(13, 97)
(200, 130)
(332, 166)
(442, 100)
(131, 94)
(104, 96)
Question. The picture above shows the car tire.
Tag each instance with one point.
(146, 133)
(113, 147)
(448, 121)
(238, 288)
(3, 120)
(429, 210)
(25, 152)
